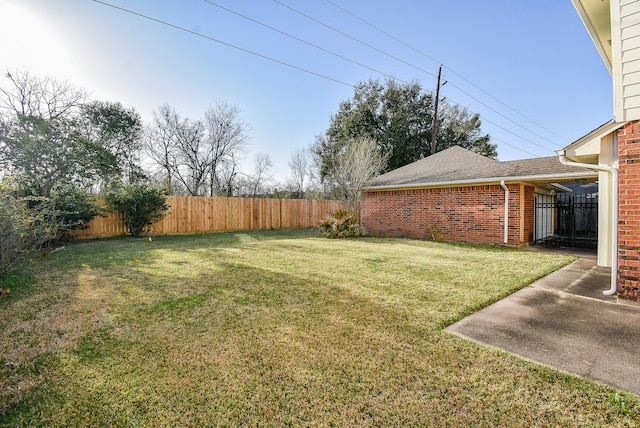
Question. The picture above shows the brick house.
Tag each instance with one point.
(614, 149)
(458, 195)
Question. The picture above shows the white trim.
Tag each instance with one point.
(596, 135)
(584, 16)
(617, 72)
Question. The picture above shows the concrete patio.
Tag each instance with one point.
(564, 321)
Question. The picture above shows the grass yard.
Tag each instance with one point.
(276, 328)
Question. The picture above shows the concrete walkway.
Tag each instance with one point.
(564, 321)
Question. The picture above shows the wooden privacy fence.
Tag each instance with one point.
(190, 214)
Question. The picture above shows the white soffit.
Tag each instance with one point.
(596, 16)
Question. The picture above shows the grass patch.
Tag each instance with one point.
(276, 328)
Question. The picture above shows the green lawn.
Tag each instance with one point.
(276, 328)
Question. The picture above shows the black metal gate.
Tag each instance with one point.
(569, 221)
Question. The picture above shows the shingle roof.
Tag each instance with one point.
(457, 165)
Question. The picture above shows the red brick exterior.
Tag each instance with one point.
(629, 212)
(470, 213)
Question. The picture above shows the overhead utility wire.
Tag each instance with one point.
(510, 132)
(255, 21)
(204, 36)
(256, 54)
(353, 38)
(365, 66)
(424, 71)
(439, 62)
(514, 147)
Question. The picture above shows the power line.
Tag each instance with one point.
(448, 68)
(424, 71)
(204, 36)
(209, 38)
(510, 132)
(514, 147)
(353, 38)
(255, 21)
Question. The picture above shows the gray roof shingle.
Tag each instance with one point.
(457, 164)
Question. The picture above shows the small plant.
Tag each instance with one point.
(341, 223)
(618, 400)
(431, 232)
(139, 204)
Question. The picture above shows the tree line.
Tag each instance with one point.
(52, 135)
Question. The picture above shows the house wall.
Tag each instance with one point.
(625, 48)
(629, 212)
(468, 213)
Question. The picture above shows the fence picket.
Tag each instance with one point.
(191, 214)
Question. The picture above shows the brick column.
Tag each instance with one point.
(629, 212)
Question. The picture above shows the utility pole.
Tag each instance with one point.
(434, 127)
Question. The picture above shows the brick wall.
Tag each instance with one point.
(470, 214)
(629, 212)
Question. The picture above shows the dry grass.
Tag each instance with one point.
(275, 328)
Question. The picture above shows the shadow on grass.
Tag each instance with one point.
(232, 331)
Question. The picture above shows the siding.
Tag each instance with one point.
(626, 47)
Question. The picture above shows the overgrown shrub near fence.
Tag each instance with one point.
(189, 214)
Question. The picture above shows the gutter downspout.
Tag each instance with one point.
(506, 211)
(614, 239)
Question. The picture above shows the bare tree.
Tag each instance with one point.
(160, 145)
(177, 145)
(260, 176)
(202, 156)
(300, 165)
(45, 98)
(355, 164)
(228, 180)
(226, 142)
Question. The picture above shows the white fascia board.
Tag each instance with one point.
(591, 141)
(491, 180)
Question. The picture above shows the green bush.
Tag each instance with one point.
(139, 204)
(341, 223)
(76, 207)
(25, 223)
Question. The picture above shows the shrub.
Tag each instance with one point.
(139, 204)
(341, 223)
(25, 223)
(75, 206)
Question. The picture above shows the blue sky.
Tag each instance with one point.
(535, 57)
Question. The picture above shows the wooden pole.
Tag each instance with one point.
(434, 127)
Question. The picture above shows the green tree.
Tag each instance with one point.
(120, 131)
(43, 152)
(400, 118)
(43, 138)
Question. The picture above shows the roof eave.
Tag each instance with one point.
(595, 17)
